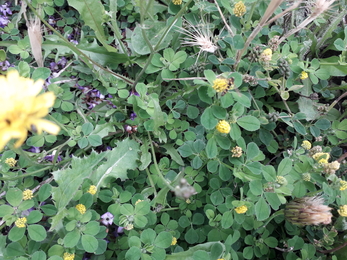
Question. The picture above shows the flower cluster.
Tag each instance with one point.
(81, 208)
(303, 75)
(92, 189)
(184, 189)
(236, 152)
(239, 9)
(321, 158)
(266, 55)
(241, 209)
(306, 176)
(343, 185)
(343, 211)
(306, 145)
(331, 168)
(223, 127)
(308, 211)
(68, 256)
(281, 180)
(174, 241)
(10, 162)
(93, 97)
(20, 222)
(177, 2)
(27, 194)
(220, 85)
(5, 10)
(23, 109)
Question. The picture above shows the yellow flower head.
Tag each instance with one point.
(267, 52)
(20, 222)
(323, 161)
(174, 241)
(92, 189)
(319, 156)
(343, 211)
(306, 145)
(138, 201)
(68, 256)
(237, 152)
(303, 75)
(306, 176)
(220, 85)
(27, 194)
(239, 9)
(242, 209)
(10, 162)
(343, 185)
(177, 2)
(22, 108)
(81, 208)
(223, 127)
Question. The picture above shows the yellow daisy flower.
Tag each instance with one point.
(23, 108)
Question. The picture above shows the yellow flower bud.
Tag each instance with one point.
(81, 208)
(223, 127)
(239, 9)
(242, 209)
(92, 189)
(20, 222)
(303, 75)
(27, 194)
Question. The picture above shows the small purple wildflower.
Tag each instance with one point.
(107, 219)
(51, 158)
(4, 21)
(4, 9)
(133, 92)
(133, 116)
(4, 65)
(34, 149)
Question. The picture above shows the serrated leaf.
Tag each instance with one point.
(119, 160)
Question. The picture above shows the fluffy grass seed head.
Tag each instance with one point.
(10, 162)
(306, 145)
(200, 37)
(27, 194)
(343, 185)
(241, 210)
(343, 211)
(92, 189)
(177, 2)
(220, 85)
(20, 222)
(303, 75)
(68, 256)
(223, 127)
(308, 211)
(239, 9)
(81, 208)
(22, 108)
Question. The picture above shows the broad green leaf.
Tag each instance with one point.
(163, 240)
(285, 166)
(262, 209)
(250, 123)
(14, 196)
(37, 232)
(252, 150)
(92, 13)
(71, 239)
(89, 243)
(119, 160)
(211, 148)
(173, 154)
(16, 233)
(208, 120)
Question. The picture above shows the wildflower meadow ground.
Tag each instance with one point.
(173, 129)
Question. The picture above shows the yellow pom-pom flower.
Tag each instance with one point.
(68, 256)
(20, 222)
(22, 108)
(343, 185)
(10, 162)
(174, 241)
(319, 156)
(242, 209)
(177, 2)
(27, 194)
(306, 145)
(303, 75)
(81, 208)
(343, 211)
(223, 127)
(239, 9)
(220, 85)
(92, 189)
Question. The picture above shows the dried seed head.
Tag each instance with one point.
(35, 38)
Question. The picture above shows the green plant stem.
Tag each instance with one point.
(25, 175)
(88, 61)
(156, 164)
(151, 182)
(277, 213)
(58, 123)
(336, 101)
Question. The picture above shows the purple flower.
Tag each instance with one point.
(133, 92)
(4, 21)
(5, 65)
(120, 230)
(133, 116)
(62, 62)
(34, 149)
(4, 9)
(107, 219)
(51, 158)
